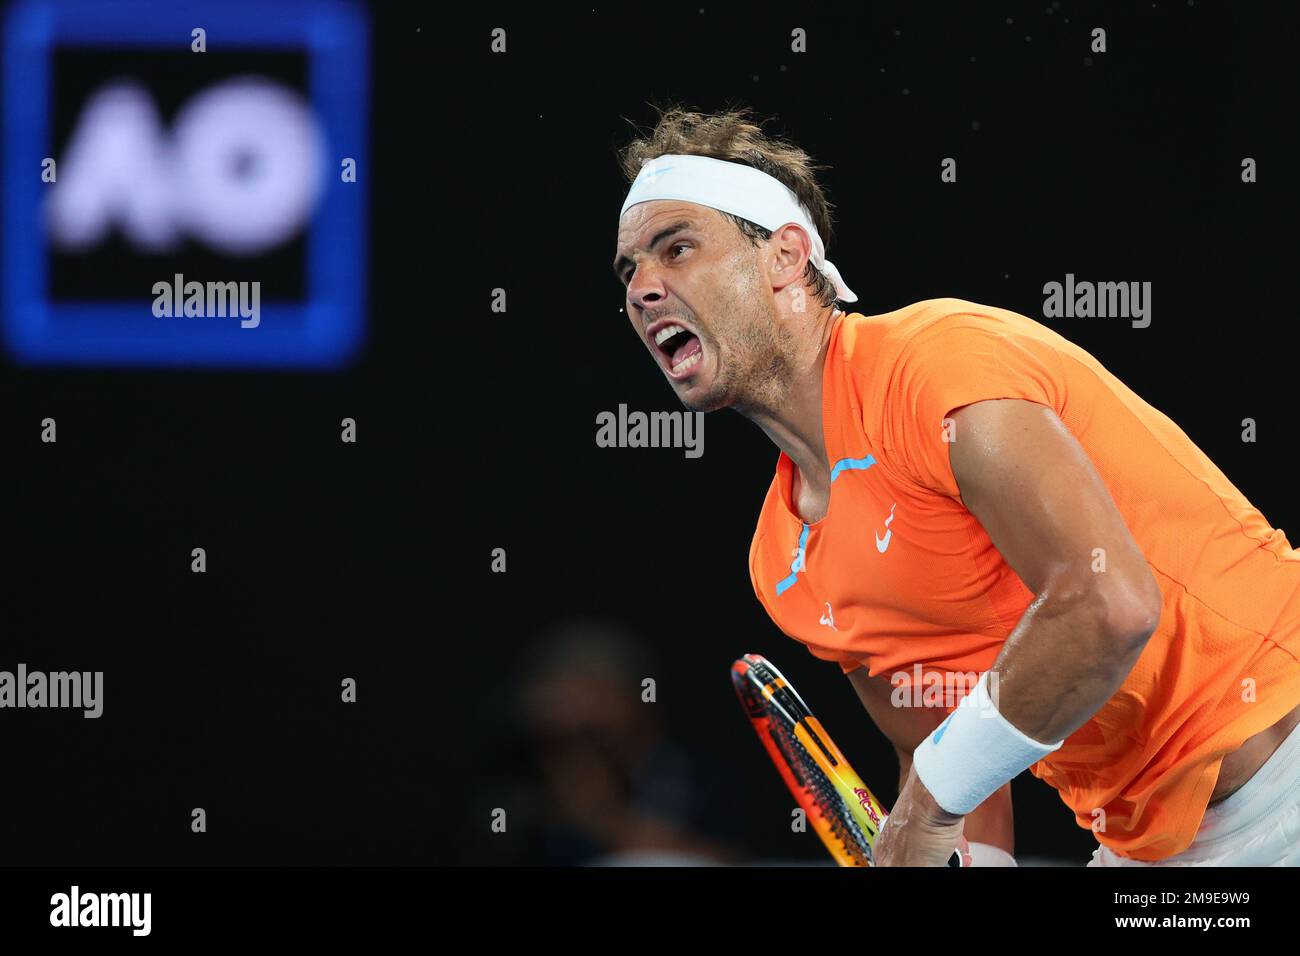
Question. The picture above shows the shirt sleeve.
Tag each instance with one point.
(957, 361)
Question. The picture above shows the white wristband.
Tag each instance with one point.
(974, 752)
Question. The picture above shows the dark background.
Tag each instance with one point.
(476, 429)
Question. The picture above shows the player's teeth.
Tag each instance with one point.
(666, 333)
(686, 363)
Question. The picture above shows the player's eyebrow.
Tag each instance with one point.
(623, 262)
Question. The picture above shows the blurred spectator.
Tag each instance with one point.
(607, 786)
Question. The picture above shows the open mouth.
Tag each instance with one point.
(681, 350)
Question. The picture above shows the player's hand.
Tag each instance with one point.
(918, 832)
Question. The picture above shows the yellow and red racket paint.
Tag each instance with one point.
(842, 811)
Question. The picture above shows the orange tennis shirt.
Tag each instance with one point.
(900, 574)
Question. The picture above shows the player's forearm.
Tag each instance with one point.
(1067, 656)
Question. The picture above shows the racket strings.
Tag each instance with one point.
(824, 795)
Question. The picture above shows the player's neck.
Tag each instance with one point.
(793, 420)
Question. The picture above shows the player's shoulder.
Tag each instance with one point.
(871, 345)
(925, 321)
(936, 341)
(933, 329)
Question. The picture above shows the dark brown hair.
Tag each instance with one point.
(733, 136)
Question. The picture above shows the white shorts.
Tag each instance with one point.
(1258, 825)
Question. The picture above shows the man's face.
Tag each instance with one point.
(696, 297)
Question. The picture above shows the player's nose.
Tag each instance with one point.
(645, 290)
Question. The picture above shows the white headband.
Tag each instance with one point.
(735, 188)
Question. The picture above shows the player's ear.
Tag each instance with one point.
(787, 255)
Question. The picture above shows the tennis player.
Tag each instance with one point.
(959, 490)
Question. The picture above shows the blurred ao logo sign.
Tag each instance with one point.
(241, 171)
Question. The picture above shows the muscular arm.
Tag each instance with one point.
(905, 727)
(1034, 489)
(1027, 480)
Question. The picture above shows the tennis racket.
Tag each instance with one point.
(843, 812)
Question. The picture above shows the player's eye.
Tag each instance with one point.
(627, 273)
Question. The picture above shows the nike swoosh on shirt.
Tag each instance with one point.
(883, 545)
